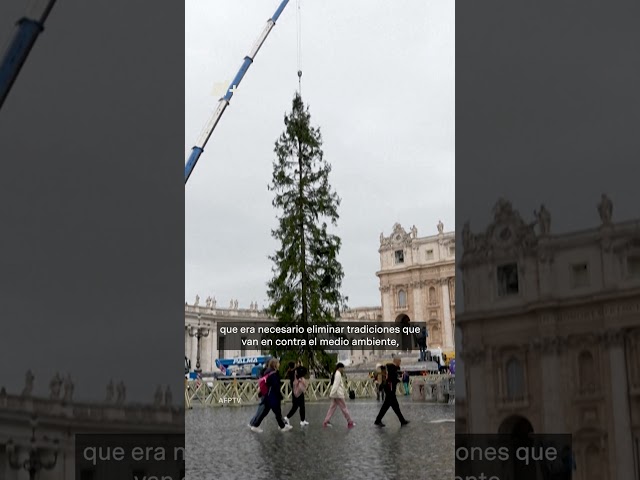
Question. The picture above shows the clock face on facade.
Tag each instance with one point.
(503, 234)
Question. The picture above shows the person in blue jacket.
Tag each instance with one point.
(273, 399)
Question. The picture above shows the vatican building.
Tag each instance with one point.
(416, 282)
(550, 335)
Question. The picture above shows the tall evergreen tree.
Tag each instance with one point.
(307, 276)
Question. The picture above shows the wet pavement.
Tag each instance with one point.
(220, 446)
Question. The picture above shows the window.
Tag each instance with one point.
(430, 254)
(580, 275)
(435, 335)
(402, 299)
(432, 296)
(508, 280)
(586, 372)
(243, 348)
(452, 250)
(399, 256)
(633, 266)
(515, 379)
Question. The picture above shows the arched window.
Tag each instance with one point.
(402, 299)
(515, 379)
(432, 296)
(435, 337)
(586, 372)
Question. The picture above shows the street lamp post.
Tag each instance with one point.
(198, 332)
(35, 462)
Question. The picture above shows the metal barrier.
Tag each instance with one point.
(216, 393)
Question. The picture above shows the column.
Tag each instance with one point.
(388, 304)
(447, 333)
(418, 312)
(478, 421)
(187, 351)
(623, 437)
(194, 352)
(205, 352)
(553, 421)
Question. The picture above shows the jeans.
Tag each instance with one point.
(259, 412)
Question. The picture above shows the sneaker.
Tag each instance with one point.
(326, 424)
(257, 429)
(351, 424)
(304, 423)
(406, 422)
(286, 420)
(379, 424)
(286, 428)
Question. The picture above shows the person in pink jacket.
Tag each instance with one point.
(337, 398)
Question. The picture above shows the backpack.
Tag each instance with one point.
(299, 387)
(262, 384)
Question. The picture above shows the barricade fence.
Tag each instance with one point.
(218, 393)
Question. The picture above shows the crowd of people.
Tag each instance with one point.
(271, 396)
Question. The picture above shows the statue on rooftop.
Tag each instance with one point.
(54, 386)
(544, 220)
(605, 209)
(28, 384)
(68, 389)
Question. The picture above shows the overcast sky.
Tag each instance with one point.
(380, 83)
(547, 101)
(548, 104)
(91, 192)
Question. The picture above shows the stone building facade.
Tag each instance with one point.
(204, 319)
(417, 282)
(551, 336)
(54, 421)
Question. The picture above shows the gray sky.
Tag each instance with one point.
(91, 192)
(547, 111)
(380, 83)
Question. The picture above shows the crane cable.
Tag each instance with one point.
(299, 46)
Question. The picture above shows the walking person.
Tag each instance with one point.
(263, 399)
(405, 382)
(422, 343)
(273, 400)
(298, 387)
(391, 401)
(380, 383)
(337, 398)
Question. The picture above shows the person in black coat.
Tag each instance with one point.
(422, 343)
(390, 400)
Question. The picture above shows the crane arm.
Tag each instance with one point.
(223, 103)
(25, 37)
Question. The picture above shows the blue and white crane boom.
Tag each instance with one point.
(224, 101)
(27, 31)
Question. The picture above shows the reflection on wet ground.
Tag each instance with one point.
(220, 445)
